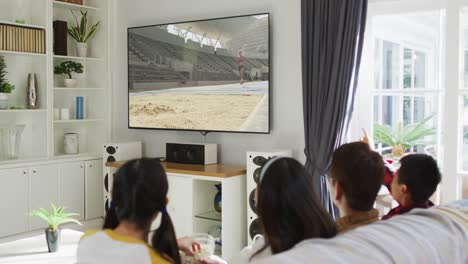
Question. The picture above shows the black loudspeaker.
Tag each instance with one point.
(201, 154)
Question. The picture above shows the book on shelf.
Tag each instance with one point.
(22, 39)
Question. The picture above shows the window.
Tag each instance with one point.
(408, 76)
(463, 112)
(405, 90)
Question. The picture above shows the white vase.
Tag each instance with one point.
(70, 83)
(71, 143)
(3, 101)
(82, 49)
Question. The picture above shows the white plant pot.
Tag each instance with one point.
(70, 83)
(3, 101)
(82, 49)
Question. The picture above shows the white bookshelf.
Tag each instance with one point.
(63, 58)
(63, 5)
(42, 138)
(78, 121)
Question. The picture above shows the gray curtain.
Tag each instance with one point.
(332, 40)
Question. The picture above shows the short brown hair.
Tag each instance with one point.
(360, 171)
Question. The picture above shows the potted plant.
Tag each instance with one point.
(67, 68)
(5, 87)
(54, 219)
(403, 137)
(81, 33)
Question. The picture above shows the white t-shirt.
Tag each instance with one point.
(106, 246)
(246, 253)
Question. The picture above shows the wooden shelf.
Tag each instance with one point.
(22, 53)
(21, 25)
(23, 111)
(59, 4)
(77, 121)
(65, 89)
(212, 170)
(76, 58)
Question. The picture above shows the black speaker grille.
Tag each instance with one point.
(185, 153)
(111, 150)
(106, 182)
(110, 159)
(252, 201)
(259, 160)
(254, 228)
(256, 175)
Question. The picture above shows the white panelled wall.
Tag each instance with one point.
(286, 88)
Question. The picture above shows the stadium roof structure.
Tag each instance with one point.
(223, 29)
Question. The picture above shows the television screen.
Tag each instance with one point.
(207, 75)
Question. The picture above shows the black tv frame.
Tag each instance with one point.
(204, 132)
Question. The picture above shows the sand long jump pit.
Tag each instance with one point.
(223, 112)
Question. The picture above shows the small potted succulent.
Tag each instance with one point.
(67, 68)
(54, 219)
(81, 33)
(402, 137)
(5, 87)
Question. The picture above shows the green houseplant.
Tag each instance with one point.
(67, 68)
(402, 137)
(5, 87)
(53, 220)
(81, 33)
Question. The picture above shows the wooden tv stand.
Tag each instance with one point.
(191, 201)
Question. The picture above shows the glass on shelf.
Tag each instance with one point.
(10, 139)
(211, 215)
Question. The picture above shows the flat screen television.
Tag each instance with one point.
(205, 75)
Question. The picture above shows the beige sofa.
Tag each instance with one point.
(437, 235)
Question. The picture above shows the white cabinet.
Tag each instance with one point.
(94, 189)
(43, 191)
(77, 185)
(14, 207)
(179, 206)
(71, 187)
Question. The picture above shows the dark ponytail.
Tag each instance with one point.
(139, 192)
(111, 221)
(164, 239)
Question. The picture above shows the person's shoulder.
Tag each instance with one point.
(89, 233)
(156, 258)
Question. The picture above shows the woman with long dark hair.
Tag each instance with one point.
(139, 195)
(288, 209)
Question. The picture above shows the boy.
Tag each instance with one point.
(413, 183)
(355, 178)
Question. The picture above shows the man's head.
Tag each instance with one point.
(356, 173)
(416, 179)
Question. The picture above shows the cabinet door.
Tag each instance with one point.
(14, 201)
(43, 191)
(94, 189)
(180, 204)
(71, 190)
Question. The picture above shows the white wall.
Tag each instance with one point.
(287, 121)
